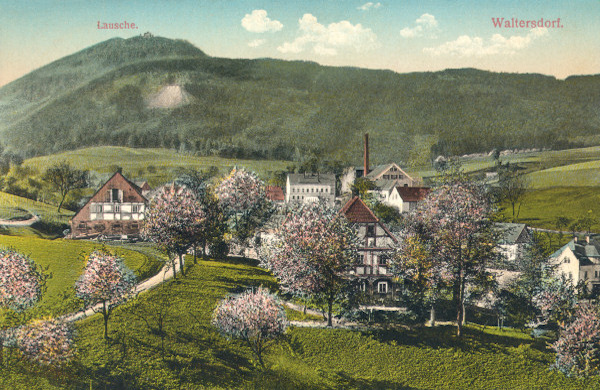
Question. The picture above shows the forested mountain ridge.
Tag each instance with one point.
(277, 109)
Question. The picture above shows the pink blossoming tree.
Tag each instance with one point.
(312, 253)
(173, 221)
(106, 282)
(254, 317)
(46, 342)
(455, 218)
(578, 345)
(22, 283)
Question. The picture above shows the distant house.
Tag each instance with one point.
(275, 194)
(310, 187)
(116, 209)
(377, 245)
(405, 199)
(515, 237)
(579, 261)
(390, 175)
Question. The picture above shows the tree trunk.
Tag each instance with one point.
(464, 319)
(105, 314)
(329, 310)
(432, 316)
(195, 258)
(61, 202)
(173, 266)
(460, 316)
(181, 264)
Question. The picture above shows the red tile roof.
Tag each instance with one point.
(357, 211)
(413, 194)
(275, 193)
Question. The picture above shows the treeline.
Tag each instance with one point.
(290, 110)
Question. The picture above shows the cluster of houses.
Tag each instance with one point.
(117, 210)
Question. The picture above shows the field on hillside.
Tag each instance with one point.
(158, 166)
(65, 261)
(12, 206)
(196, 356)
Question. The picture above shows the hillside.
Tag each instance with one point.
(287, 110)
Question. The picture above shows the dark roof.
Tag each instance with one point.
(584, 252)
(513, 233)
(274, 193)
(413, 194)
(312, 178)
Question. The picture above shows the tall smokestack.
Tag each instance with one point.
(366, 154)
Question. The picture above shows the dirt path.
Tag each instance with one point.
(25, 223)
(163, 275)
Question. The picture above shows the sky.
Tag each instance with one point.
(400, 35)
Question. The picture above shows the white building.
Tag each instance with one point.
(579, 261)
(310, 187)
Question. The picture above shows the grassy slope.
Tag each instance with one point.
(198, 357)
(103, 160)
(12, 206)
(65, 261)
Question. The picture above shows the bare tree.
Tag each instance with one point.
(513, 187)
(64, 178)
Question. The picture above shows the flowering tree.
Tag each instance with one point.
(240, 191)
(174, 219)
(456, 219)
(46, 342)
(312, 253)
(255, 317)
(556, 300)
(242, 196)
(105, 281)
(22, 283)
(578, 345)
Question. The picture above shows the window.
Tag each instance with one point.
(382, 287)
(382, 259)
(363, 286)
(585, 275)
(117, 208)
(82, 225)
(97, 208)
(370, 231)
(134, 226)
(567, 260)
(135, 208)
(570, 275)
(596, 274)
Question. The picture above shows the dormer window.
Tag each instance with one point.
(115, 195)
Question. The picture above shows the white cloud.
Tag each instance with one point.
(257, 42)
(465, 46)
(327, 40)
(425, 24)
(368, 6)
(258, 22)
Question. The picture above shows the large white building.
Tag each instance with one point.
(579, 261)
(310, 187)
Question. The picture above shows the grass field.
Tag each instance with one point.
(540, 207)
(585, 174)
(12, 206)
(195, 356)
(64, 259)
(158, 166)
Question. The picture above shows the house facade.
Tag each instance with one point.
(515, 237)
(310, 187)
(405, 199)
(377, 245)
(116, 209)
(579, 261)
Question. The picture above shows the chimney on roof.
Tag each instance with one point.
(366, 159)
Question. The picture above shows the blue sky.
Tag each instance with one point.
(403, 36)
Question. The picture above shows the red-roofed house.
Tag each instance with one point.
(405, 199)
(377, 244)
(116, 209)
(275, 194)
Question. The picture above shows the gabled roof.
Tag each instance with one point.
(356, 211)
(115, 175)
(274, 193)
(380, 169)
(312, 178)
(513, 233)
(586, 253)
(413, 194)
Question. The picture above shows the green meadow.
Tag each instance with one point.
(195, 356)
(65, 261)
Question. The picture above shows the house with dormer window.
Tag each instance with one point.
(116, 209)
(579, 261)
